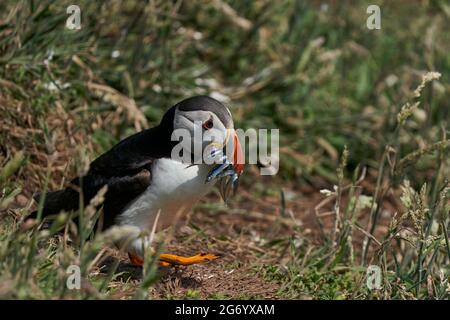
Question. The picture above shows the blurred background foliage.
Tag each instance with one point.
(311, 68)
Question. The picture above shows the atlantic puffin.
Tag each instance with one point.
(146, 179)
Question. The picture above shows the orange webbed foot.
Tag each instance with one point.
(184, 261)
(167, 260)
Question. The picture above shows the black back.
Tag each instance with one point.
(126, 167)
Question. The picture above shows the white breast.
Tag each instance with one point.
(174, 189)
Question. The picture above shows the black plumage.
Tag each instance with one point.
(126, 169)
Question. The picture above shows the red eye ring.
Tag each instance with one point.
(208, 124)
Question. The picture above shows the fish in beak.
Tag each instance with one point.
(228, 171)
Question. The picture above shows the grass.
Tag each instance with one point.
(360, 118)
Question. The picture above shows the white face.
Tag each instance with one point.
(203, 130)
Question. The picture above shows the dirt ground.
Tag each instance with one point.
(239, 233)
(238, 236)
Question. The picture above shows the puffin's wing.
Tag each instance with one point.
(126, 169)
(128, 156)
(121, 191)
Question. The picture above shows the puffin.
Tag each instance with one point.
(157, 175)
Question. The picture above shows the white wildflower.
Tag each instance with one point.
(115, 54)
(220, 97)
(56, 85)
(157, 88)
(327, 192)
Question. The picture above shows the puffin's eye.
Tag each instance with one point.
(208, 124)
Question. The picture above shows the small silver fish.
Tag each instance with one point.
(229, 179)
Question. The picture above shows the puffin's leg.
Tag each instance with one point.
(136, 257)
(138, 262)
(135, 260)
(166, 260)
(173, 259)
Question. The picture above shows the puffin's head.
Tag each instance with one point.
(210, 127)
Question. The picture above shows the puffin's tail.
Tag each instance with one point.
(56, 201)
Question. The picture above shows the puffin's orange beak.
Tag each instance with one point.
(238, 156)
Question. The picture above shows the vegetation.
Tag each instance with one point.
(364, 148)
